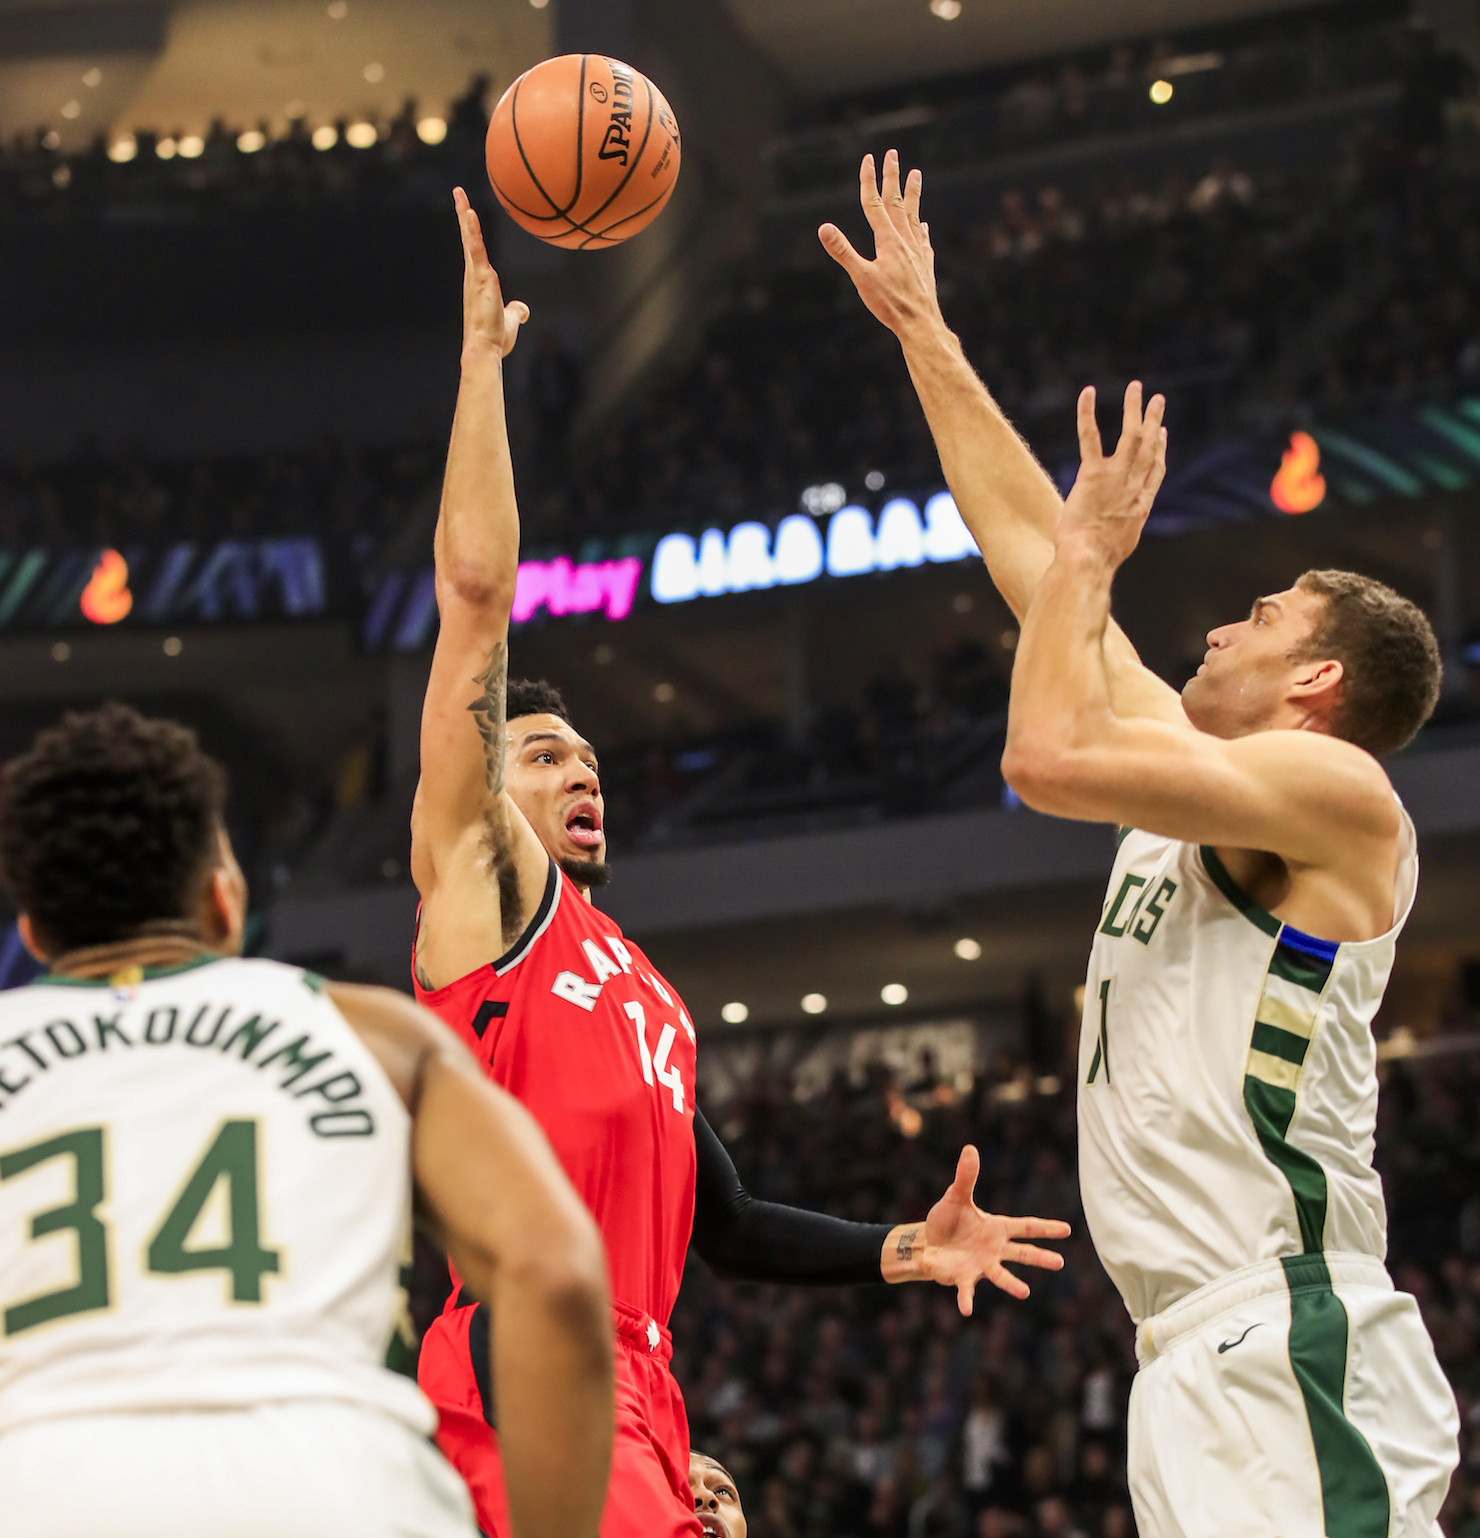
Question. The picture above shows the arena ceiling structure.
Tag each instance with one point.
(85, 67)
(824, 47)
(92, 66)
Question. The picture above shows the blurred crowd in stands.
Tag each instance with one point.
(1302, 57)
(333, 491)
(412, 157)
(1252, 300)
(1276, 62)
(881, 1413)
(1249, 298)
(901, 747)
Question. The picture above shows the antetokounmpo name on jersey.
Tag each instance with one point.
(302, 1067)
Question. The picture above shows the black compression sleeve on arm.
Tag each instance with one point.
(755, 1241)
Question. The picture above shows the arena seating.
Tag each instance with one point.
(1251, 300)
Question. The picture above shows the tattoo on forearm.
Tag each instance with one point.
(905, 1249)
(488, 712)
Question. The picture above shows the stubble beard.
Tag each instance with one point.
(587, 873)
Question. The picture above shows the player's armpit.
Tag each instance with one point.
(1309, 798)
(486, 883)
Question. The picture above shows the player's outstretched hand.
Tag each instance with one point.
(1112, 497)
(964, 1245)
(898, 286)
(487, 320)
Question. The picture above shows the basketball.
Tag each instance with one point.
(583, 151)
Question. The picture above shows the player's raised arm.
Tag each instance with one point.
(1004, 495)
(525, 1245)
(463, 832)
(1301, 794)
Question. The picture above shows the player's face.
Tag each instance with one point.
(551, 774)
(1245, 679)
(715, 1498)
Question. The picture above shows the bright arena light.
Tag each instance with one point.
(72, 109)
(121, 151)
(375, 73)
(325, 138)
(894, 993)
(968, 949)
(92, 78)
(734, 1013)
(947, 10)
(814, 1003)
(166, 149)
(251, 141)
(192, 146)
(431, 130)
(1161, 92)
(360, 136)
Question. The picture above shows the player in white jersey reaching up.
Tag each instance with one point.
(1228, 1084)
(207, 1167)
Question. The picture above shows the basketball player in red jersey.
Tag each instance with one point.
(570, 1016)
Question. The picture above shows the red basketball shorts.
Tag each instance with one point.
(648, 1494)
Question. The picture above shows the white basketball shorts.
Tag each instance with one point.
(305, 1469)
(1299, 1398)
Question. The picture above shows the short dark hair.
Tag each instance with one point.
(1391, 668)
(108, 823)
(534, 697)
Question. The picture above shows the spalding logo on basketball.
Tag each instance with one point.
(583, 151)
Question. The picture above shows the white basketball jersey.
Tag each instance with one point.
(204, 1197)
(1227, 1078)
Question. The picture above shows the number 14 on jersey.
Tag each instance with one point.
(656, 1063)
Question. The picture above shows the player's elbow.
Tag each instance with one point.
(475, 585)
(1034, 768)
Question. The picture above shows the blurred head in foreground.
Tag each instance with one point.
(716, 1498)
(112, 829)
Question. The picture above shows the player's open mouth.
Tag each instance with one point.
(583, 825)
(712, 1525)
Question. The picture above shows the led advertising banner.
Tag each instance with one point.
(183, 583)
(179, 584)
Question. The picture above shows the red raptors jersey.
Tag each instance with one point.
(576, 1023)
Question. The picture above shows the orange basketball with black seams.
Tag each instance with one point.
(583, 151)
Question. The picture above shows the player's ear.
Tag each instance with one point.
(1316, 685)
(27, 931)
(223, 913)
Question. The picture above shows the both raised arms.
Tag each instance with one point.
(1004, 495)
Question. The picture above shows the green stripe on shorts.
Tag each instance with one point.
(1354, 1493)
